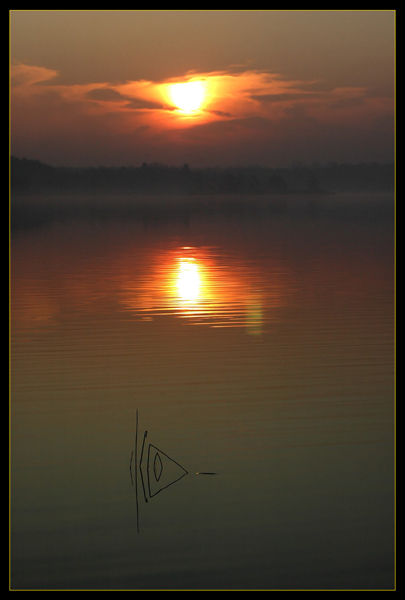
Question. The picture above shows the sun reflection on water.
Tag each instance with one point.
(200, 284)
(205, 286)
(188, 281)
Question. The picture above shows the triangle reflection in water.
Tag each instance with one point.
(162, 471)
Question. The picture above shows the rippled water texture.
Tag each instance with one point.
(203, 404)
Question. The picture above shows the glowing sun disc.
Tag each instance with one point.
(187, 96)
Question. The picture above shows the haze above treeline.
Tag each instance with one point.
(32, 176)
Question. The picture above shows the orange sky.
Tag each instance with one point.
(93, 87)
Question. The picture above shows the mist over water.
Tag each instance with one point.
(154, 339)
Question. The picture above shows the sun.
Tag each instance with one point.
(189, 96)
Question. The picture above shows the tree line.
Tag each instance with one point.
(32, 176)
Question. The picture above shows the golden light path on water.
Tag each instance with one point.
(205, 287)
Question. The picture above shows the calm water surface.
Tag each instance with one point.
(203, 405)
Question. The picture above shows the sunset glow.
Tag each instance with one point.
(218, 115)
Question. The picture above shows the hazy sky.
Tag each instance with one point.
(94, 87)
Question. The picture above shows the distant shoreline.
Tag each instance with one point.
(28, 177)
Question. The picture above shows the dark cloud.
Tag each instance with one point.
(286, 97)
(111, 95)
(219, 113)
(105, 95)
(220, 130)
(139, 104)
(314, 86)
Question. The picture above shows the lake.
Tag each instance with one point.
(204, 401)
